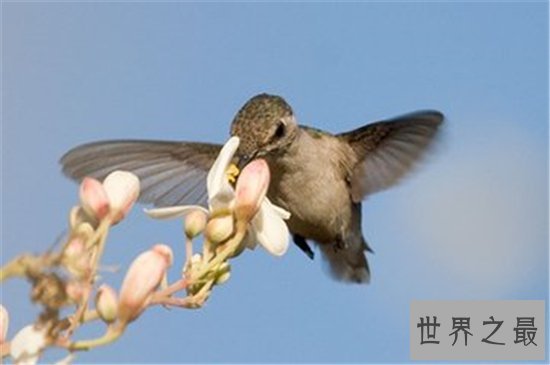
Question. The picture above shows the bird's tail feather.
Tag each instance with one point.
(348, 263)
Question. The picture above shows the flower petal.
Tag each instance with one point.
(173, 212)
(283, 213)
(216, 179)
(251, 189)
(94, 198)
(270, 230)
(223, 199)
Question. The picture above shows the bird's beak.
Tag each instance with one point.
(243, 161)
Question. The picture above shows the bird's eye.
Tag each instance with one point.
(280, 131)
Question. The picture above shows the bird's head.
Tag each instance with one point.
(265, 125)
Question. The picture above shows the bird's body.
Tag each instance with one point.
(311, 171)
(318, 177)
(309, 180)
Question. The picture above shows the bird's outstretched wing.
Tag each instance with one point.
(171, 173)
(387, 150)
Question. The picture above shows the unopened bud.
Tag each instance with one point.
(106, 303)
(166, 252)
(122, 190)
(93, 198)
(78, 216)
(195, 222)
(223, 273)
(220, 228)
(143, 277)
(251, 189)
(4, 323)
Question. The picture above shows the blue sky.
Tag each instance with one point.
(471, 223)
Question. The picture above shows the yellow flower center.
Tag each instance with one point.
(231, 173)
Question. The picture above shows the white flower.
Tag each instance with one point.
(27, 345)
(266, 228)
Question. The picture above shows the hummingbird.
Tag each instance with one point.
(319, 177)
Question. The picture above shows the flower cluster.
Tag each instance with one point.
(67, 284)
(237, 218)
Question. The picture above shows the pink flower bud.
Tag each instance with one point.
(165, 251)
(251, 189)
(142, 278)
(218, 229)
(93, 198)
(195, 222)
(106, 303)
(4, 323)
(122, 189)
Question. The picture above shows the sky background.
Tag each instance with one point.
(471, 223)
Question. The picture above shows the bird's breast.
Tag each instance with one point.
(315, 195)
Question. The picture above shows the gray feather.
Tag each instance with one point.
(386, 151)
(170, 173)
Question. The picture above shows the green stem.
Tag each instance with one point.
(101, 236)
(166, 292)
(203, 294)
(102, 232)
(113, 333)
(190, 302)
(207, 251)
(90, 315)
